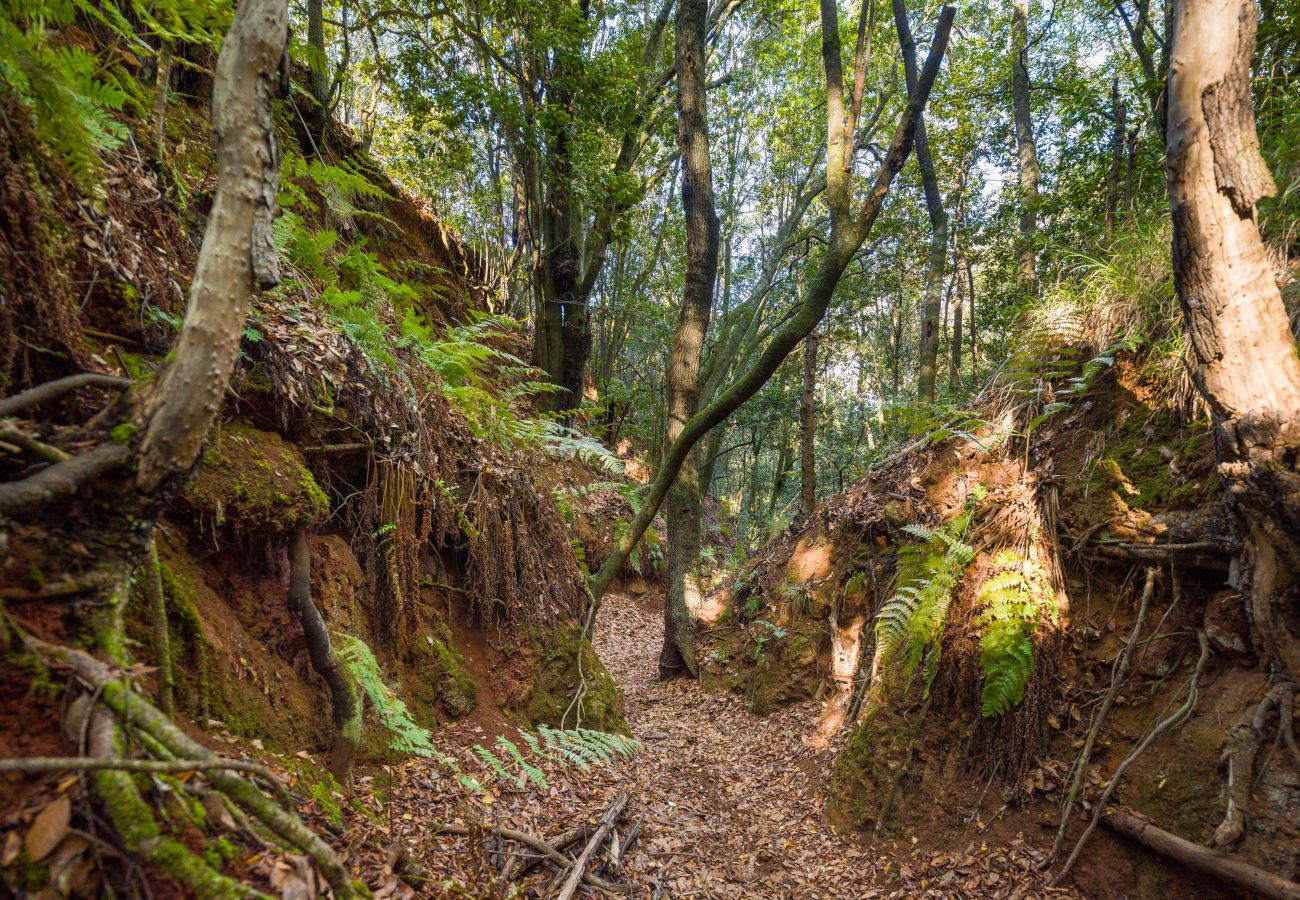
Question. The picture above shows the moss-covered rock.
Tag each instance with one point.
(867, 770)
(770, 665)
(438, 677)
(557, 652)
(252, 482)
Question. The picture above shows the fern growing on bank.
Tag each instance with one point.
(1011, 601)
(581, 747)
(912, 620)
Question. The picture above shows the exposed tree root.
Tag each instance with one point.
(161, 640)
(1172, 722)
(1232, 871)
(1118, 675)
(62, 479)
(343, 698)
(136, 826)
(139, 712)
(164, 766)
(1239, 752)
(53, 390)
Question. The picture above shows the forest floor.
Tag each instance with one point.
(731, 802)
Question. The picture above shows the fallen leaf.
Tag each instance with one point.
(48, 828)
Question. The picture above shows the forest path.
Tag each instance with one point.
(733, 801)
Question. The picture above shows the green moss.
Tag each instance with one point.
(867, 767)
(255, 482)
(123, 433)
(555, 681)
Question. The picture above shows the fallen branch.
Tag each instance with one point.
(1173, 721)
(541, 847)
(579, 869)
(1118, 675)
(1232, 871)
(32, 447)
(53, 390)
(519, 867)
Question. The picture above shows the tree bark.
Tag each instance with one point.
(808, 430)
(929, 349)
(1247, 366)
(238, 252)
(1026, 148)
(682, 588)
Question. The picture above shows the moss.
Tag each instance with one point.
(123, 433)
(255, 482)
(555, 681)
(867, 767)
(135, 824)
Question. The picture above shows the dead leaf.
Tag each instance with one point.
(48, 828)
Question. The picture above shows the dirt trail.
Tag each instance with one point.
(731, 798)
(732, 802)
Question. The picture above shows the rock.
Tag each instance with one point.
(1225, 624)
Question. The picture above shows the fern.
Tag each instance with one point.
(1011, 601)
(911, 621)
(580, 747)
(408, 736)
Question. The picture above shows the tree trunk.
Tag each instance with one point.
(682, 589)
(238, 252)
(1116, 173)
(974, 349)
(954, 359)
(343, 699)
(1026, 149)
(929, 349)
(808, 430)
(1247, 365)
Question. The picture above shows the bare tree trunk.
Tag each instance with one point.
(1247, 364)
(974, 349)
(808, 430)
(343, 699)
(929, 350)
(1026, 149)
(1116, 173)
(954, 359)
(677, 657)
(238, 252)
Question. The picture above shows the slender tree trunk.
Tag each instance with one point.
(238, 251)
(929, 349)
(1247, 364)
(1130, 167)
(974, 349)
(954, 358)
(784, 457)
(1116, 173)
(808, 430)
(343, 698)
(1026, 149)
(677, 658)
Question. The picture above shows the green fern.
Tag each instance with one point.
(580, 747)
(1011, 601)
(408, 736)
(911, 622)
